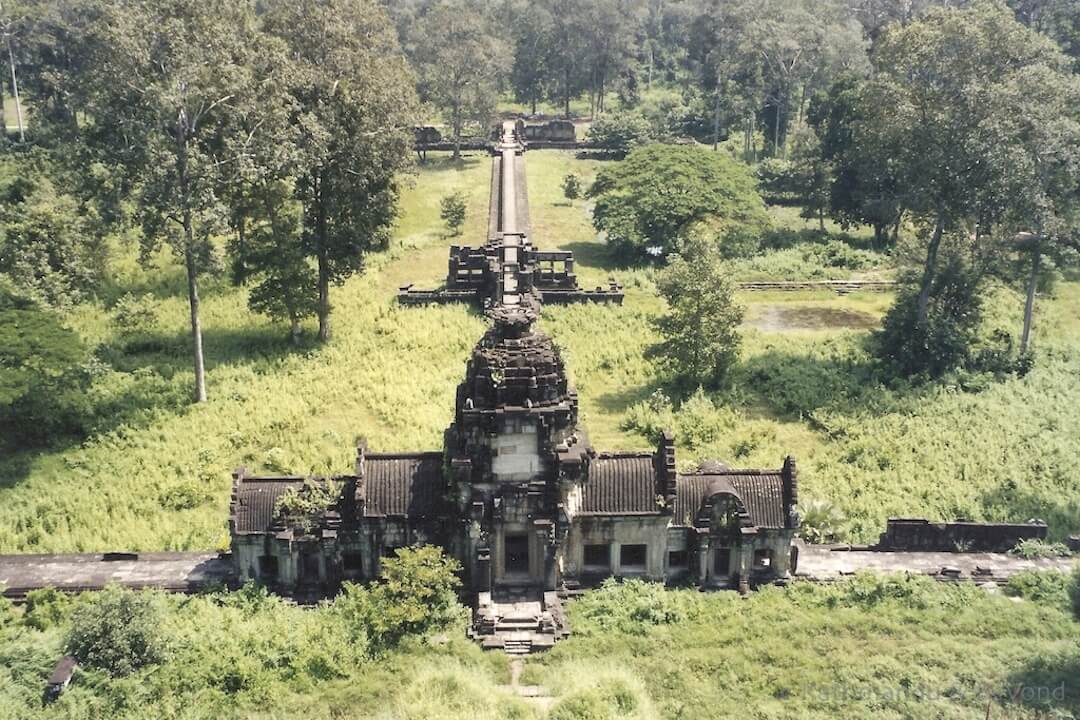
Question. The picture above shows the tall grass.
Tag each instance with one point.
(868, 647)
(865, 647)
(155, 472)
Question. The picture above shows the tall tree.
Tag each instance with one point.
(701, 325)
(611, 32)
(567, 76)
(533, 50)
(170, 86)
(935, 77)
(287, 286)
(856, 140)
(460, 64)
(351, 126)
(12, 20)
(1034, 137)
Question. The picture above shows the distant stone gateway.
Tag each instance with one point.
(517, 494)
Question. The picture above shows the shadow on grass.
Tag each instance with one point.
(1060, 511)
(444, 163)
(791, 386)
(157, 378)
(15, 464)
(1050, 685)
(170, 353)
(597, 255)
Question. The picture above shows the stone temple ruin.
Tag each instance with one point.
(517, 493)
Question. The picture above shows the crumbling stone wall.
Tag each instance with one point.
(921, 534)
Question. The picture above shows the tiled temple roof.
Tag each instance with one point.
(761, 492)
(620, 483)
(254, 498)
(404, 485)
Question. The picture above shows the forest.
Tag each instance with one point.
(206, 210)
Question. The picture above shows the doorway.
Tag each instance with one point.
(721, 562)
(516, 555)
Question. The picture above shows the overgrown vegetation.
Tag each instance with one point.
(873, 447)
(865, 647)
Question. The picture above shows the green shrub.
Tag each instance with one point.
(304, 506)
(780, 182)
(1049, 587)
(619, 132)
(46, 608)
(631, 605)
(820, 521)
(118, 631)
(135, 315)
(452, 212)
(1034, 548)
(648, 203)
(416, 594)
(571, 187)
(44, 370)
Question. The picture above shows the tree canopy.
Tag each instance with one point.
(646, 203)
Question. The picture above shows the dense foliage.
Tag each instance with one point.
(117, 632)
(416, 594)
(700, 328)
(43, 371)
(647, 203)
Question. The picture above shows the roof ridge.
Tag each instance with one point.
(423, 454)
(735, 471)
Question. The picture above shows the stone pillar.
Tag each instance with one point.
(704, 550)
(545, 544)
(482, 574)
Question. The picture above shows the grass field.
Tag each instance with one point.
(155, 472)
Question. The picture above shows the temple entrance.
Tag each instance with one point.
(309, 568)
(516, 555)
(721, 562)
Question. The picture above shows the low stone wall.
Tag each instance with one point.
(918, 534)
(839, 286)
(408, 295)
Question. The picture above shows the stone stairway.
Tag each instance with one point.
(518, 621)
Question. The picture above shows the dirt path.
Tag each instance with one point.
(535, 695)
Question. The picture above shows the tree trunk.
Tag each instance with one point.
(15, 93)
(566, 93)
(928, 271)
(190, 260)
(649, 71)
(716, 119)
(753, 138)
(294, 329)
(3, 115)
(322, 259)
(821, 218)
(1029, 303)
(456, 120)
(776, 132)
(879, 236)
(241, 249)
